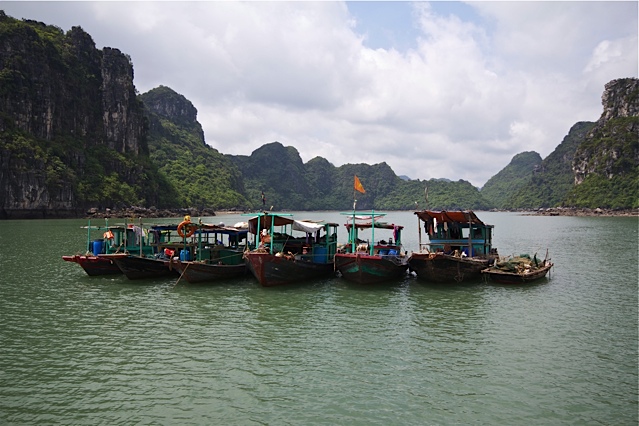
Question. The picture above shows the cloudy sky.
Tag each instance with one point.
(434, 89)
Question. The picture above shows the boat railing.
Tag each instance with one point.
(479, 247)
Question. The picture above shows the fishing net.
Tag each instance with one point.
(519, 263)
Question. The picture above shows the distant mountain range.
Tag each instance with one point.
(75, 135)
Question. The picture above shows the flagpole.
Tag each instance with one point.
(357, 186)
(353, 220)
(353, 223)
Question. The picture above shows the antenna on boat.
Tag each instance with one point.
(141, 235)
(351, 232)
(425, 196)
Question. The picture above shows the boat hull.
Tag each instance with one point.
(503, 277)
(198, 272)
(135, 267)
(440, 267)
(367, 269)
(94, 265)
(271, 270)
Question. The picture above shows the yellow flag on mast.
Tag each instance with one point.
(358, 186)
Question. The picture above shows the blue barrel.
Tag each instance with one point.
(98, 247)
(383, 252)
(185, 255)
(319, 255)
(392, 252)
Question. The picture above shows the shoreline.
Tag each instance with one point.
(585, 212)
(155, 213)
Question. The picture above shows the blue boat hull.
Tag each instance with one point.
(366, 269)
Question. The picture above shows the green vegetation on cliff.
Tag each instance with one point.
(74, 134)
(54, 148)
(607, 166)
(289, 184)
(198, 175)
(501, 187)
(549, 184)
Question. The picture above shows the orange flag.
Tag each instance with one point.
(358, 186)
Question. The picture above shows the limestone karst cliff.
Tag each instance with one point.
(75, 135)
(64, 106)
(606, 165)
(612, 146)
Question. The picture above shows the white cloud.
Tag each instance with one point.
(470, 93)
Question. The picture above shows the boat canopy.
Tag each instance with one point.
(369, 225)
(297, 225)
(462, 217)
(220, 229)
(364, 220)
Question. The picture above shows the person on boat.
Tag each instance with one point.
(265, 238)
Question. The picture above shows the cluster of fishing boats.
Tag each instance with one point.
(277, 249)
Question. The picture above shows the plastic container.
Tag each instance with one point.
(98, 247)
(392, 252)
(185, 255)
(320, 255)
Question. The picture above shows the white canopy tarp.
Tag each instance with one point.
(308, 227)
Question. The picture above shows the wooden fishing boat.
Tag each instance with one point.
(519, 270)
(279, 257)
(94, 265)
(459, 247)
(219, 254)
(115, 240)
(374, 261)
(136, 267)
(167, 241)
(441, 267)
(198, 272)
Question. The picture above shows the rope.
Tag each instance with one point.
(178, 280)
(228, 257)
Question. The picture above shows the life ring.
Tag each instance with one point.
(191, 229)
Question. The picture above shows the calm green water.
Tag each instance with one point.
(91, 350)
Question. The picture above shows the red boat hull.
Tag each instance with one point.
(440, 267)
(94, 265)
(271, 270)
(366, 269)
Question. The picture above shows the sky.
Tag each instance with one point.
(434, 89)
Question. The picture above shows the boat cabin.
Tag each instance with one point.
(220, 243)
(207, 242)
(457, 232)
(314, 241)
(386, 246)
(128, 238)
